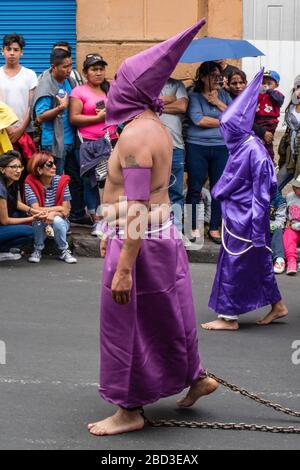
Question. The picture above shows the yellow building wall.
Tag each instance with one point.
(120, 28)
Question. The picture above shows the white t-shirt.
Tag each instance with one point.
(295, 113)
(15, 90)
(174, 121)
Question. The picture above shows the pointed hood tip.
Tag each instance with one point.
(140, 78)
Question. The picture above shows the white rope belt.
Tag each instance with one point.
(155, 229)
(237, 238)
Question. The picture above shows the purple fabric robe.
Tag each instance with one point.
(149, 348)
(247, 282)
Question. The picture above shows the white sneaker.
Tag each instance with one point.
(35, 257)
(67, 257)
(187, 243)
(10, 256)
(279, 266)
(97, 230)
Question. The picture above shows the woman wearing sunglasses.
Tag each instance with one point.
(14, 231)
(46, 191)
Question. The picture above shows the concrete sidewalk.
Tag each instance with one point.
(86, 245)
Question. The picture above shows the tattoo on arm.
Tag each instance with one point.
(130, 162)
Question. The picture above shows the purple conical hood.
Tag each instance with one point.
(237, 121)
(141, 78)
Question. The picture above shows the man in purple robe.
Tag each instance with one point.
(148, 342)
(245, 279)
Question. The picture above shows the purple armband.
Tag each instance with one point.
(137, 183)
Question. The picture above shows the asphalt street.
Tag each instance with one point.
(49, 315)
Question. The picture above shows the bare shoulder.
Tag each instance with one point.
(133, 150)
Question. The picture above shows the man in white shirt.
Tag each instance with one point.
(175, 98)
(17, 84)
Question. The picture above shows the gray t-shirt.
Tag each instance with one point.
(174, 121)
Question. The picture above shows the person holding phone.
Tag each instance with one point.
(87, 113)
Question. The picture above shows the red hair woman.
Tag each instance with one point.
(49, 192)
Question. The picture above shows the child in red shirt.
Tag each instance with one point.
(270, 101)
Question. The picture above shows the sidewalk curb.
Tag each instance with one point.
(87, 246)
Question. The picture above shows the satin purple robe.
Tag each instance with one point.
(247, 282)
(149, 348)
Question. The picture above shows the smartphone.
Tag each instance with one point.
(100, 104)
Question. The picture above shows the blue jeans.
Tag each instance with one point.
(277, 244)
(60, 227)
(284, 177)
(91, 194)
(176, 188)
(202, 162)
(14, 236)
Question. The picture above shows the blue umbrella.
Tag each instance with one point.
(204, 49)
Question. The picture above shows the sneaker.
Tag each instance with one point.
(279, 266)
(9, 256)
(35, 257)
(67, 257)
(187, 243)
(291, 268)
(97, 230)
(15, 251)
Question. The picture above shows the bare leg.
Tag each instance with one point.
(279, 310)
(122, 421)
(220, 324)
(199, 389)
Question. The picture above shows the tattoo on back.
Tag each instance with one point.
(131, 162)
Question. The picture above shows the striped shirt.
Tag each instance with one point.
(50, 193)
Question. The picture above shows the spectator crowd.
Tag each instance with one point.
(54, 147)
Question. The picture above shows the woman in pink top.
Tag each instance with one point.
(87, 113)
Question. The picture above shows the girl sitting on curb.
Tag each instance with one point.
(291, 236)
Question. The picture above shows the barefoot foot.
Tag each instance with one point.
(121, 422)
(220, 324)
(279, 310)
(199, 389)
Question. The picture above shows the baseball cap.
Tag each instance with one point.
(273, 75)
(296, 182)
(92, 59)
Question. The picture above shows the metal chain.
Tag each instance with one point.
(171, 423)
(261, 401)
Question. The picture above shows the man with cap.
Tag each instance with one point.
(245, 279)
(148, 342)
(270, 101)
